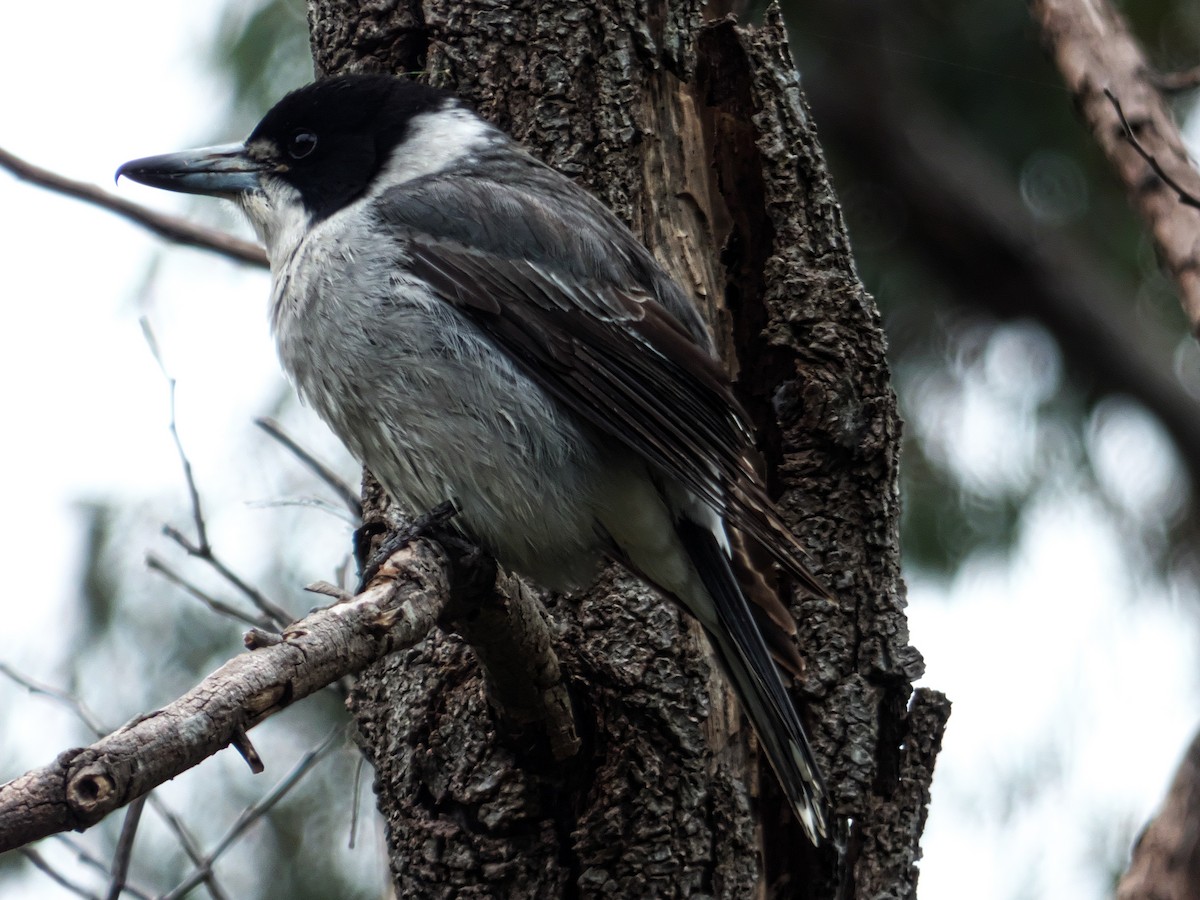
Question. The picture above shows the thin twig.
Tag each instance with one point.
(174, 229)
(1185, 197)
(124, 851)
(334, 509)
(277, 614)
(202, 549)
(357, 794)
(87, 858)
(218, 606)
(190, 846)
(69, 700)
(193, 492)
(89, 719)
(348, 495)
(253, 813)
(40, 862)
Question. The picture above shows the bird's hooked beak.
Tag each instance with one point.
(224, 171)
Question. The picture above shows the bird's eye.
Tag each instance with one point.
(301, 144)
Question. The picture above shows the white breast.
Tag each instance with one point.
(426, 401)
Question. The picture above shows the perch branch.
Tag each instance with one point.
(83, 785)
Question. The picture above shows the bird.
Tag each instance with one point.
(476, 327)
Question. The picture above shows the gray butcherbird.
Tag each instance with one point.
(476, 327)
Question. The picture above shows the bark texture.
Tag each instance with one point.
(698, 135)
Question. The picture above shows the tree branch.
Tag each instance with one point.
(174, 229)
(1097, 54)
(1166, 858)
(509, 632)
(345, 493)
(966, 219)
(83, 785)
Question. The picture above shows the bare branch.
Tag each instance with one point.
(347, 494)
(84, 785)
(276, 614)
(1166, 857)
(154, 564)
(85, 715)
(174, 229)
(1098, 55)
(40, 863)
(190, 846)
(1181, 192)
(124, 851)
(253, 813)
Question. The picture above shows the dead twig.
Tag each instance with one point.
(155, 564)
(254, 813)
(345, 493)
(179, 231)
(1100, 60)
(1151, 160)
(84, 785)
(124, 851)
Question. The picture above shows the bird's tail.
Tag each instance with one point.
(745, 657)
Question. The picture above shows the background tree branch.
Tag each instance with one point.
(1096, 53)
(1166, 857)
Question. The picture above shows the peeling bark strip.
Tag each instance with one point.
(84, 785)
(1095, 51)
(698, 136)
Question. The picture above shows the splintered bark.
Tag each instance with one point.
(697, 134)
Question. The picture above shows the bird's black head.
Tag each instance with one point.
(330, 139)
(322, 147)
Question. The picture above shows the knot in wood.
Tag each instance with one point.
(92, 791)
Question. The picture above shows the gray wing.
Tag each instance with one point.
(590, 324)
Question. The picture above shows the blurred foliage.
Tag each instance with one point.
(980, 67)
(261, 51)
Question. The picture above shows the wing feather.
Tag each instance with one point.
(615, 356)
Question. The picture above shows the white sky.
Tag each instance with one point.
(1065, 669)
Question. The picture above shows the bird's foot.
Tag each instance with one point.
(370, 561)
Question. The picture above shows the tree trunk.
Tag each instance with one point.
(697, 134)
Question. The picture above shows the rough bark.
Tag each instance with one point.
(697, 134)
